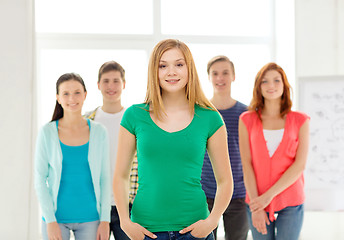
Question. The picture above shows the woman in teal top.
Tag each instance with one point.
(72, 177)
(171, 132)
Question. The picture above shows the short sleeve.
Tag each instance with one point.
(128, 119)
(216, 122)
(301, 118)
(246, 118)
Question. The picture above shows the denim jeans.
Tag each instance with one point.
(287, 225)
(178, 236)
(82, 231)
(115, 226)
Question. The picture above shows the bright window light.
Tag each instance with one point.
(217, 17)
(89, 16)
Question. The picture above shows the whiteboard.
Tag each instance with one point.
(322, 98)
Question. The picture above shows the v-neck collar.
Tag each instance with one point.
(282, 141)
(174, 132)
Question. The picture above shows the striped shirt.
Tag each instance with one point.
(231, 119)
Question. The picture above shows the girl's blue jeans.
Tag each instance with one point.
(287, 225)
(81, 231)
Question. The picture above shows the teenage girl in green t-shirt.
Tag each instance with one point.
(171, 132)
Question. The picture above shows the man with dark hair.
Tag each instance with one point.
(111, 83)
(221, 74)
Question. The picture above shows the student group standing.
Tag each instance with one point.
(180, 149)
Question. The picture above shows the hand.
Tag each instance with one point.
(54, 231)
(103, 232)
(136, 231)
(259, 221)
(260, 203)
(200, 229)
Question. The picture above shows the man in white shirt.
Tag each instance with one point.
(111, 82)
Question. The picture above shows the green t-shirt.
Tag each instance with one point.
(170, 195)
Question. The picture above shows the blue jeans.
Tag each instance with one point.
(82, 231)
(287, 225)
(115, 226)
(177, 236)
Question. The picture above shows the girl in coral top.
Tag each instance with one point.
(273, 146)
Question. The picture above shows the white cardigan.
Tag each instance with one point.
(48, 168)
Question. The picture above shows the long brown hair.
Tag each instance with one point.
(193, 90)
(257, 102)
(58, 112)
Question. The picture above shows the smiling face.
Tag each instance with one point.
(173, 72)
(272, 85)
(221, 76)
(71, 96)
(111, 86)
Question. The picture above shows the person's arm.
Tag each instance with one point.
(218, 152)
(289, 176)
(42, 190)
(125, 154)
(54, 231)
(103, 231)
(105, 189)
(246, 160)
(259, 218)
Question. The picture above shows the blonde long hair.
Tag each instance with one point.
(193, 90)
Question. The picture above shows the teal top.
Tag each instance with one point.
(48, 169)
(76, 201)
(170, 195)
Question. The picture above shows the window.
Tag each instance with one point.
(95, 17)
(78, 36)
(217, 17)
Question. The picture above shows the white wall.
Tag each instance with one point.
(319, 37)
(319, 47)
(16, 99)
